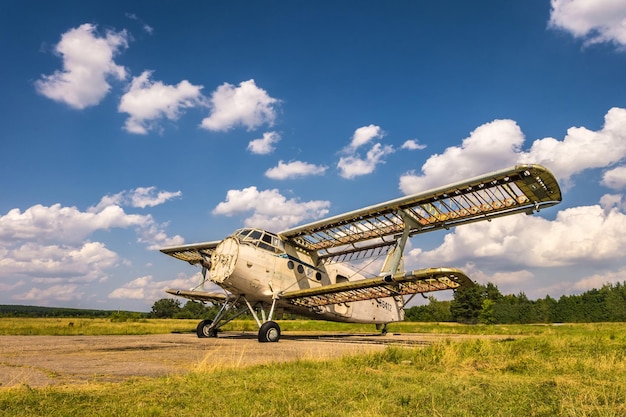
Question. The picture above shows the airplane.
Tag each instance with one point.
(306, 270)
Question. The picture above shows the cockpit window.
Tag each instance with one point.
(262, 239)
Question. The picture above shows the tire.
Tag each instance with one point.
(269, 332)
(203, 329)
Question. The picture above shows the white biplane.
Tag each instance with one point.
(303, 270)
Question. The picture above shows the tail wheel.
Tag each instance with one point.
(269, 332)
(204, 329)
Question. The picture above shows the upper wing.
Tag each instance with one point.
(404, 283)
(194, 253)
(373, 230)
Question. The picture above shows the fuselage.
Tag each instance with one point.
(261, 266)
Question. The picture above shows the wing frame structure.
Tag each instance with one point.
(374, 230)
(400, 284)
(194, 253)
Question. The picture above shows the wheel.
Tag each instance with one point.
(269, 332)
(204, 329)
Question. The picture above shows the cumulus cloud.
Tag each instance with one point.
(140, 197)
(491, 146)
(147, 101)
(270, 210)
(582, 148)
(87, 64)
(498, 144)
(586, 232)
(598, 280)
(57, 223)
(294, 169)
(68, 292)
(264, 145)
(246, 105)
(615, 178)
(413, 145)
(364, 135)
(354, 164)
(54, 245)
(146, 288)
(595, 21)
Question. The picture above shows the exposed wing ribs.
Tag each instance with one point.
(419, 281)
(523, 188)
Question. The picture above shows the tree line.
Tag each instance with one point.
(486, 304)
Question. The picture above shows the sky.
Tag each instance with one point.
(130, 126)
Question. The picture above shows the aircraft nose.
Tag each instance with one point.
(224, 259)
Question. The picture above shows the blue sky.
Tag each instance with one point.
(129, 126)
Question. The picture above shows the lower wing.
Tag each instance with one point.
(404, 283)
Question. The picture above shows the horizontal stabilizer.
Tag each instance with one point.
(404, 283)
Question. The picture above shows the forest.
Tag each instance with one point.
(486, 304)
(479, 303)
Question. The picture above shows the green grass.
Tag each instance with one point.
(103, 326)
(569, 370)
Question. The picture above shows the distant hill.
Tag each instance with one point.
(36, 311)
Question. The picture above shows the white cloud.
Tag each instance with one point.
(582, 148)
(63, 224)
(588, 232)
(412, 145)
(87, 63)
(354, 164)
(64, 293)
(489, 147)
(497, 144)
(270, 210)
(294, 169)
(148, 101)
(264, 145)
(598, 280)
(595, 21)
(59, 263)
(147, 289)
(141, 197)
(52, 249)
(145, 197)
(615, 178)
(364, 135)
(246, 105)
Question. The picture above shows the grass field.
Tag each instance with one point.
(566, 370)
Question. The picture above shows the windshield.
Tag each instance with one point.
(260, 238)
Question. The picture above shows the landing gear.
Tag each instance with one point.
(269, 332)
(205, 329)
(382, 328)
(233, 307)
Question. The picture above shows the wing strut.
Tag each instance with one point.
(391, 264)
